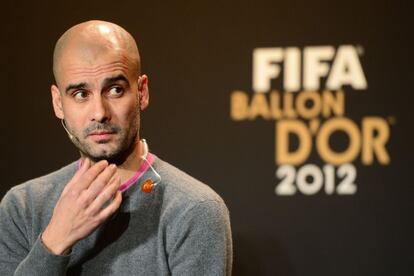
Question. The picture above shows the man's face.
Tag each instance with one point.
(99, 102)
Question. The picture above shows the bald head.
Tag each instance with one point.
(87, 41)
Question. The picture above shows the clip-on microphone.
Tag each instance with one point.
(148, 184)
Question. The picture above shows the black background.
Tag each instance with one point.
(195, 54)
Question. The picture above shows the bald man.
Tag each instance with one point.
(119, 209)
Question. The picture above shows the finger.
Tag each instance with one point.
(105, 196)
(85, 165)
(111, 208)
(101, 181)
(83, 168)
(86, 179)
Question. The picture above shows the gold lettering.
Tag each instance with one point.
(375, 145)
(332, 105)
(322, 141)
(288, 108)
(259, 107)
(239, 105)
(308, 112)
(283, 129)
(275, 105)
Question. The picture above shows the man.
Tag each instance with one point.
(118, 210)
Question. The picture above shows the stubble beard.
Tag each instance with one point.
(125, 142)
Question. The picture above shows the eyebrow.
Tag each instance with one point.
(111, 80)
(76, 86)
(106, 82)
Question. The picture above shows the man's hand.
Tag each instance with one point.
(84, 204)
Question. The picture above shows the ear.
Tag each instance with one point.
(57, 101)
(143, 92)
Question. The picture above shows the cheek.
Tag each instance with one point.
(127, 114)
(75, 118)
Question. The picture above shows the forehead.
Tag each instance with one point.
(86, 64)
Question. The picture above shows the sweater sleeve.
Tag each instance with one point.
(202, 242)
(18, 255)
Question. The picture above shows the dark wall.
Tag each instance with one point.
(196, 54)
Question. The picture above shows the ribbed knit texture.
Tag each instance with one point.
(181, 228)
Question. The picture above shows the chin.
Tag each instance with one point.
(115, 151)
(113, 156)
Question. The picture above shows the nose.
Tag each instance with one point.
(100, 110)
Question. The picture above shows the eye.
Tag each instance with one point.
(115, 91)
(80, 95)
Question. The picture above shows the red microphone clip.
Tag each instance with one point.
(147, 186)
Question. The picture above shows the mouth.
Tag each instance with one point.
(101, 135)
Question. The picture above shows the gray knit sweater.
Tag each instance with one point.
(181, 228)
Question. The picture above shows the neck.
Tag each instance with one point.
(132, 163)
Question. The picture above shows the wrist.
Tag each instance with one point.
(54, 246)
